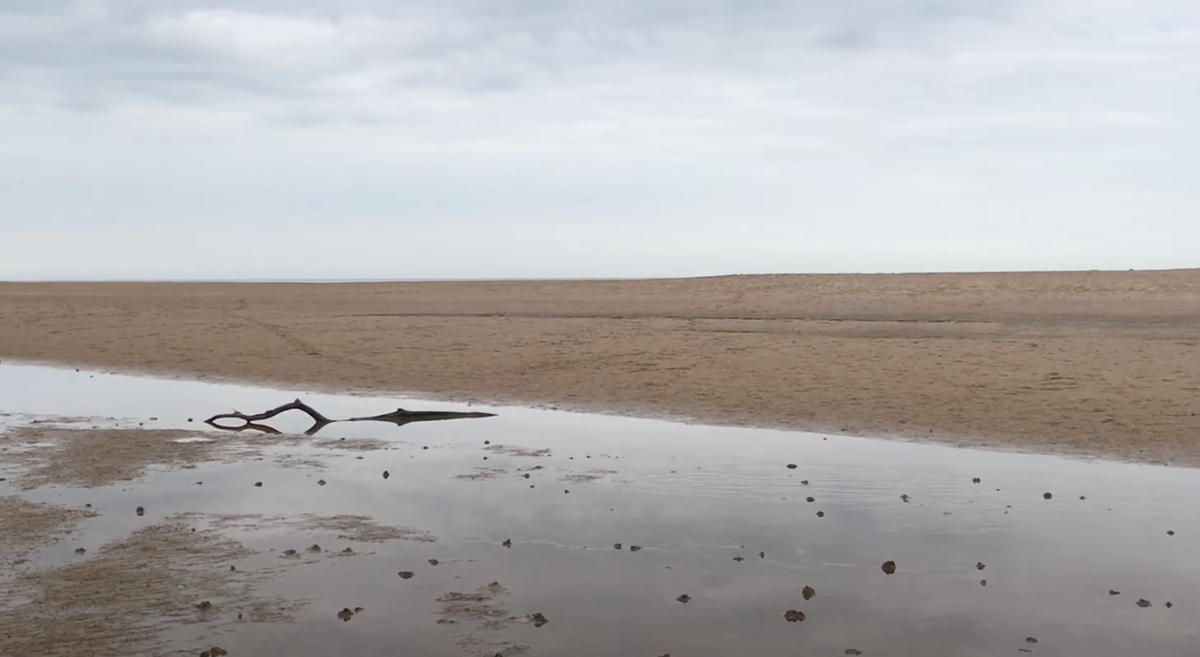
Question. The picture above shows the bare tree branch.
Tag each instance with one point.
(398, 417)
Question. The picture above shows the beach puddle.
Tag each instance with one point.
(516, 534)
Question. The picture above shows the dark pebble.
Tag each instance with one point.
(386, 474)
(1170, 532)
(808, 592)
(810, 499)
(983, 582)
(406, 574)
(1112, 592)
(1030, 639)
(976, 480)
(793, 616)
(507, 543)
(1047, 495)
(888, 567)
(739, 559)
(258, 484)
(141, 511)
(320, 482)
(792, 466)
(820, 514)
(434, 562)
(803, 482)
(635, 548)
(538, 619)
(1143, 603)
(980, 566)
(685, 598)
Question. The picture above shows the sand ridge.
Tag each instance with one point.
(1103, 363)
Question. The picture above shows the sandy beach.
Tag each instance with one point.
(1104, 363)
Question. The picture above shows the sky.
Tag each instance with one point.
(185, 139)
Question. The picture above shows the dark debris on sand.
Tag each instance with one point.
(888, 567)
(794, 616)
(808, 592)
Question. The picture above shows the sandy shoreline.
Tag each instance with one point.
(1104, 363)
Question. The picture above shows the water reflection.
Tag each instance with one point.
(398, 417)
(697, 499)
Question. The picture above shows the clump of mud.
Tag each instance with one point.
(513, 450)
(482, 474)
(98, 457)
(125, 598)
(588, 477)
(363, 529)
(28, 526)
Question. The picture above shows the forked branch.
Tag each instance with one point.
(398, 417)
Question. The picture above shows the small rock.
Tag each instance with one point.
(1083, 497)
(289, 553)
(808, 592)
(820, 514)
(314, 548)
(345, 614)
(803, 482)
(980, 566)
(141, 511)
(348, 551)
(983, 582)
(685, 598)
(810, 500)
(189, 419)
(258, 484)
(1168, 605)
(905, 497)
(1170, 532)
(232, 569)
(217, 651)
(507, 543)
(1113, 592)
(386, 474)
(792, 466)
(204, 605)
(852, 651)
(739, 559)
(538, 619)
(617, 546)
(976, 480)
(793, 615)
(406, 574)
(566, 491)
(1143, 603)
(88, 505)
(1030, 639)
(635, 548)
(434, 562)
(888, 567)
(526, 475)
(1047, 495)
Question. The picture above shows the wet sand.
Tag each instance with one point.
(586, 535)
(1104, 363)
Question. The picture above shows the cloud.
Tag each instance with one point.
(804, 118)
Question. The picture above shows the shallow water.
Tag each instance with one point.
(695, 498)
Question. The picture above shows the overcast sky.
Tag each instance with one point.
(579, 138)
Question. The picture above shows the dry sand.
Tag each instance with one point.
(1103, 363)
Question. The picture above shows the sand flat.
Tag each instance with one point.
(1103, 363)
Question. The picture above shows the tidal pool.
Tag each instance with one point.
(522, 513)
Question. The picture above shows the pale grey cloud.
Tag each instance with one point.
(599, 137)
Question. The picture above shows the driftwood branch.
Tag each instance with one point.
(398, 417)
